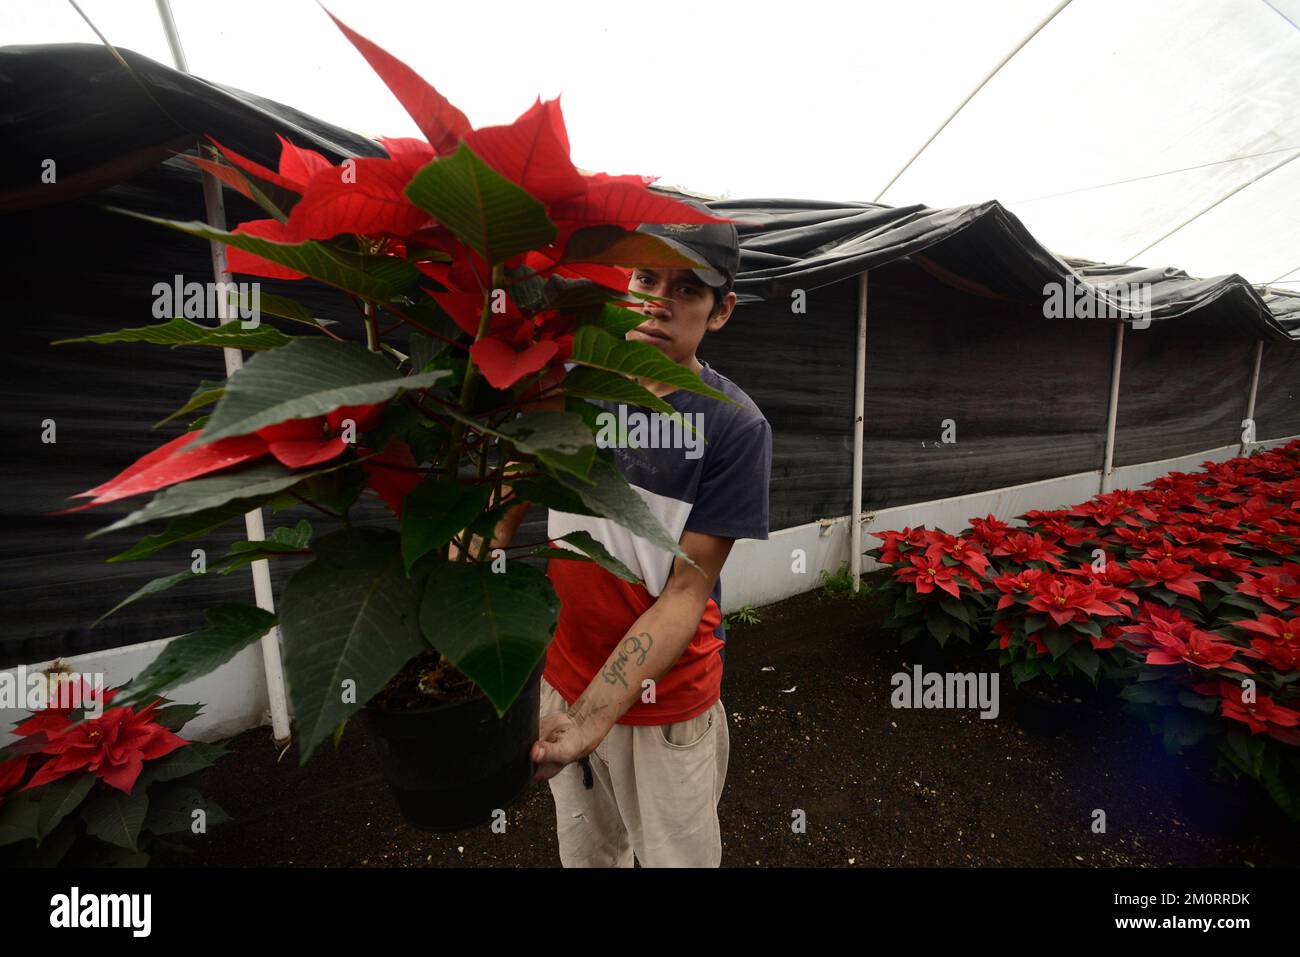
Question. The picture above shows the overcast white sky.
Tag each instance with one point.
(827, 100)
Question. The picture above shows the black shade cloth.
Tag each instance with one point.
(955, 335)
(790, 244)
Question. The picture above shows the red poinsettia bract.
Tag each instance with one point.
(1262, 715)
(295, 443)
(927, 572)
(113, 746)
(367, 197)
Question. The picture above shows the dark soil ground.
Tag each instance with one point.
(807, 691)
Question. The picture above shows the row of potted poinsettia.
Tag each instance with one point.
(1185, 594)
(491, 301)
(88, 785)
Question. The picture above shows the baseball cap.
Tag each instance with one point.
(717, 244)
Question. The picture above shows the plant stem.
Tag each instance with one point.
(467, 388)
(554, 390)
(416, 324)
(319, 508)
(372, 327)
(495, 497)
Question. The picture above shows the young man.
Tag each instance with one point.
(633, 733)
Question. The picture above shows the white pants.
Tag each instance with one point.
(655, 792)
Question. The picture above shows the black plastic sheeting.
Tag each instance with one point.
(955, 336)
(1026, 397)
(75, 104)
(803, 244)
(104, 401)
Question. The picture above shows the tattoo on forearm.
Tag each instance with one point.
(638, 645)
(641, 643)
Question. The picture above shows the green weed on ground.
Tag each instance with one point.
(840, 584)
(742, 616)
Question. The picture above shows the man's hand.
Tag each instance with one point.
(561, 741)
(655, 642)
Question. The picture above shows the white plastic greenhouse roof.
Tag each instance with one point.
(1149, 132)
(1172, 141)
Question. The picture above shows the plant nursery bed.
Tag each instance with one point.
(808, 697)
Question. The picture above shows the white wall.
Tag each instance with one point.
(234, 695)
(758, 573)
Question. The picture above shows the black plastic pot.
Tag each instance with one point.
(1046, 710)
(452, 765)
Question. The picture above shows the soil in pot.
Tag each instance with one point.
(1045, 708)
(449, 761)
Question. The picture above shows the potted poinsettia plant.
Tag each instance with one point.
(101, 786)
(1184, 595)
(499, 261)
(936, 590)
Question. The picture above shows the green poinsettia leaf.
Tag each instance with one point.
(173, 717)
(58, 799)
(149, 588)
(493, 626)
(609, 496)
(308, 377)
(19, 818)
(228, 629)
(185, 332)
(614, 246)
(281, 541)
(172, 810)
(349, 622)
(435, 512)
(374, 278)
(493, 216)
(560, 439)
(194, 757)
(117, 818)
(254, 482)
(588, 550)
(594, 347)
(208, 392)
(281, 306)
(615, 320)
(187, 527)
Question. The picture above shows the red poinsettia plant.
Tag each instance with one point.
(98, 791)
(489, 278)
(1185, 592)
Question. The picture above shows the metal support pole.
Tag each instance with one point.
(1250, 402)
(1113, 408)
(215, 208)
(859, 390)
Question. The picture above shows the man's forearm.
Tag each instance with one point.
(649, 650)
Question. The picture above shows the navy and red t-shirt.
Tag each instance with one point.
(722, 492)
